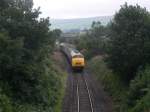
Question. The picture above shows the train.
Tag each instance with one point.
(75, 58)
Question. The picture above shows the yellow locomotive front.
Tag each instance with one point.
(77, 61)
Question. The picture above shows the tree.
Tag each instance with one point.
(57, 33)
(26, 73)
(94, 40)
(129, 40)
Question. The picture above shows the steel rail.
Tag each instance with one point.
(78, 97)
(89, 95)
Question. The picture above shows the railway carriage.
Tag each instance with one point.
(76, 59)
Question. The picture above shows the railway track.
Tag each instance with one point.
(84, 97)
(79, 98)
(83, 94)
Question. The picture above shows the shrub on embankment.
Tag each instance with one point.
(28, 81)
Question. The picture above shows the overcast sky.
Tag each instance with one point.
(65, 9)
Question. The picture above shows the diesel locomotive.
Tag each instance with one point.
(75, 58)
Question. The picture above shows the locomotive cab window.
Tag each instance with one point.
(78, 56)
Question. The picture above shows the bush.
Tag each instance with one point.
(138, 96)
(5, 103)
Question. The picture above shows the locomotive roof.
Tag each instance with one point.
(75, 52)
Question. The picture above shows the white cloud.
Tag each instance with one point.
(83, 8)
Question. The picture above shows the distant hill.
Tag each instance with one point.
(78, 24)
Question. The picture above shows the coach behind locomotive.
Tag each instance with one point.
(75, 58)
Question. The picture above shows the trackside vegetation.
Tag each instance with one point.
(93, 41)
(122, 60)
(28, 81)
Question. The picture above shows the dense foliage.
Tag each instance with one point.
(27, 79)
(94, 41)
(129, 40)
(138, 97)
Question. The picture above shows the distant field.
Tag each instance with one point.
(81, 23)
